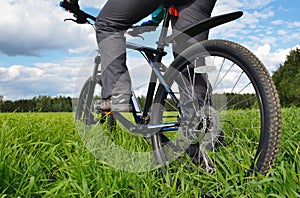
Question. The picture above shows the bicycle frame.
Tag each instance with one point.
(154, 58)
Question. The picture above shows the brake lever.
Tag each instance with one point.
(70, 20)
(77, 21)
(139, 36)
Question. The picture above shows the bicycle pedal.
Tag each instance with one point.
(108, 112)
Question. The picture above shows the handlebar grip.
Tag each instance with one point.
(72, 7)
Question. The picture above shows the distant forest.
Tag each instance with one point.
(64, 104)
(38, 104)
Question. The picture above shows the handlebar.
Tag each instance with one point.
(82, 17)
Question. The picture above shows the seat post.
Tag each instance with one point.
(163, 34)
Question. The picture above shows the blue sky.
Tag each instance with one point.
(42, 55)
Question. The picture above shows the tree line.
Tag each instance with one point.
(64, 104)
(38, 104)
(287, 80)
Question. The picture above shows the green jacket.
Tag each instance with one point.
(158, 15)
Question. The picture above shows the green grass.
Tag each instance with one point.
(42, 155)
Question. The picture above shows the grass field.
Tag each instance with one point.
(42, 155)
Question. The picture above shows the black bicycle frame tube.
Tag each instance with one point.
(157, 59)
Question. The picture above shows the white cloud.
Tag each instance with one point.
(227, 6)
(18, 81)
(256, 4)
(32, 26)
(272, 59)
(277, 22)
(295, 24)
(257, 28)
(15, 71)
(247, 25)
(245, 5)
(282, 32)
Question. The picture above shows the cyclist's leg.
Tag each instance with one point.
(189, 13)
(195, 10)
(116, 17)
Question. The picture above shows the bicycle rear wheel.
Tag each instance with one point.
(234, 126)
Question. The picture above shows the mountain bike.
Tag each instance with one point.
(235, 126)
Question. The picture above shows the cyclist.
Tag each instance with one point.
(119, 15)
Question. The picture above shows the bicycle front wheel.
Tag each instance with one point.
(228, 111)
(85, 108)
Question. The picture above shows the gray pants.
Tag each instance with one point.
(119, 15)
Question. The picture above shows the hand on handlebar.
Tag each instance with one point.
(73, 7)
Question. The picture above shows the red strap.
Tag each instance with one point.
(173, 11)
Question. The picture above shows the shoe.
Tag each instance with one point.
(115, 103)
(103, 105)
(121, 103)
